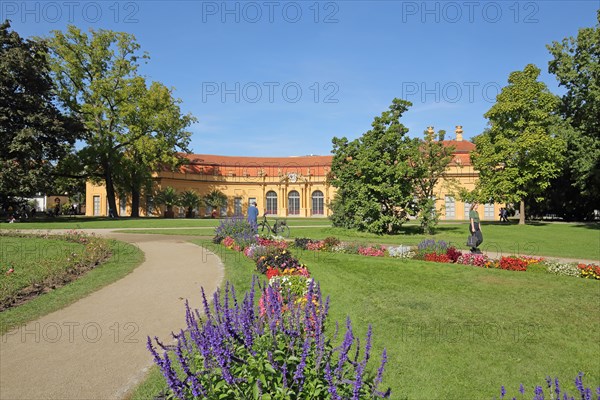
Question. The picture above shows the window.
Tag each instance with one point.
(271, 202)
(223, 208)
(450, 207)
(237, 206)
(294, 203)
(149, 205)
(488, 211)
(122, 205)
(317, 203)
(467, 209)
(96, 206)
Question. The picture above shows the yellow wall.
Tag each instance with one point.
(246, 187)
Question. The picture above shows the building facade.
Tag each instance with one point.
(282, 186)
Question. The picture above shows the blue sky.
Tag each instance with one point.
(281, 78)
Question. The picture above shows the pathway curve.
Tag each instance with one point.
(96, 347)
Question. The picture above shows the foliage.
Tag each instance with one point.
(189, 199)
(430, 166)
(215, 199)
(35, 134)
(555, 390)
(166, 196)
(238, 229)
(129, 128)
(523, 148)
(373, 175)
(429, 246)
(238, 353)
(576, 65)
(453, 254)
(330, 242)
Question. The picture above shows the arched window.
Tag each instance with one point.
(294, 203)
(271, 202)
(317, 203)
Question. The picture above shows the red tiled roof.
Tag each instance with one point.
(462, 146)
(210, 164)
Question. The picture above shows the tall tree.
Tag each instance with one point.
(430, 166)
(522, 150)
(576, 65)
(97, 79)
(161, 129)
(373, 176)
(35, 135)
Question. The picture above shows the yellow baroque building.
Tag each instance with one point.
(283, 186)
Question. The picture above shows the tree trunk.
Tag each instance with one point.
(522, 213)
(135, 201)
(110, 193)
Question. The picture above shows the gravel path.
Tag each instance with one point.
(96, 347)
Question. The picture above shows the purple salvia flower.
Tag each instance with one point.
(502, 392)
(379, 376)
(539, 393)
(348, 340)
(368, 345)
(521, 389)
(549, 381)
(579, 384)
(299, 375)
(205, 304)
(329, 378)
(557, 388)
(360, 369)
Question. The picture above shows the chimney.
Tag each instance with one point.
(459, 132)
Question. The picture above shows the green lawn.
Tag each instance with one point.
(80, 222)
(453, 332)
(580, 241)
(124, 259)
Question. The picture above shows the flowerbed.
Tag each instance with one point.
(46, 262)
(442, 252)
(276, 350)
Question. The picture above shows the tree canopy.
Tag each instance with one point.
(576, 64)
(35, 134)
(373, 175)
(128, 127)
(523, 148)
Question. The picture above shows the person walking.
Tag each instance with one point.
(475, 227)
(253, 216)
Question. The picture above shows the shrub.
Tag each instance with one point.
(346, 248)
(591, 271)
(238, 353)
(555, 391)
(237, 228)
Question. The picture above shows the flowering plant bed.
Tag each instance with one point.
(278, 350)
